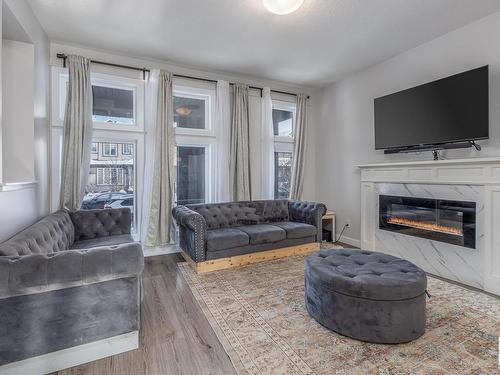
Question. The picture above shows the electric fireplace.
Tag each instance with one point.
(447, 221)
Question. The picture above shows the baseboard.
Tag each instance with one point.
(351, 241)
(161, 250)
(77, 355)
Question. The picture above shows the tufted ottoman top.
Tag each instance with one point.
(366, 274)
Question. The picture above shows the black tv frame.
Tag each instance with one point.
(452, 144)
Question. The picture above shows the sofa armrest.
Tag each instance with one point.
(38, 273)
(192, 232)
(309, 213)
(91, 224)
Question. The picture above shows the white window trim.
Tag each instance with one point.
(202, 94)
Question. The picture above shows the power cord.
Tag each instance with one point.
(341, 233)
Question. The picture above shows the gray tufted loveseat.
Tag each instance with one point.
(220, 230)
(70, 279)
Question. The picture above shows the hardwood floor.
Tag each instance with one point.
(175, 336)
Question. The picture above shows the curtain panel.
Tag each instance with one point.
(267, 144)
(299, 149)
(240, 159)
(162, 175)
(223, 126)
(77, 133)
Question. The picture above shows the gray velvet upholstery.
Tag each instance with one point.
(263, 233)
(366, 295)
(55, 267)
(268, 224)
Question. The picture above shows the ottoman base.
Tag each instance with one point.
(384, 322)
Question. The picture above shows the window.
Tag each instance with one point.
(126, 149)
(113, 105)
(109, 149)
(283, 124)
(196, 141)
(118, 102)
(94, 148)
(111, 178)
(189, 112)
(191, 175)
(283, 120)
(283, 163)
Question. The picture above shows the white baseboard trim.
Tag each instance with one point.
(351, 241)
(161, 250)
(77, 355)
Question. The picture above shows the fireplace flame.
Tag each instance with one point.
(424, 225)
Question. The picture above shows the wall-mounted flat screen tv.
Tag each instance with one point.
(452, 109)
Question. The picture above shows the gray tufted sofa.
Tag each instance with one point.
(220, 230)
(70, 279)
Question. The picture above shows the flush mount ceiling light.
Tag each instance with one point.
(184, 111)
(282, 7)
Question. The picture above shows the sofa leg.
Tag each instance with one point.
(247, 259)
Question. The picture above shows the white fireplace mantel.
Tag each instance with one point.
(481, 175)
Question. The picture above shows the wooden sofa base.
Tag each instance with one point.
(246, 259)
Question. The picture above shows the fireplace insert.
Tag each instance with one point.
(441, 220)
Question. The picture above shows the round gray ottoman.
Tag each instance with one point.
(366, 295)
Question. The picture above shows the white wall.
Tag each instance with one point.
(18, 127)
(345, 135)
(22, 207)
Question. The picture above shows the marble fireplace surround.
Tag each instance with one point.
(475, 179)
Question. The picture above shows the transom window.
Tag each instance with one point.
(283, 119)
(189, 112)
(113, 105)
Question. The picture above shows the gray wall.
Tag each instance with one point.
(345, 135)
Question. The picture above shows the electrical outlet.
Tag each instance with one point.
(348, 223)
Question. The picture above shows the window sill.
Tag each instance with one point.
(13, 186)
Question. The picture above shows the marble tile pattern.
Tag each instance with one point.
(259, 315)
(450, 261)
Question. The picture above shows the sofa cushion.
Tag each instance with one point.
(263, 233)
(226, 238)
(53, 233)
(297, 230)
(102, 241)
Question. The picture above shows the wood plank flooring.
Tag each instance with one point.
(175, 336)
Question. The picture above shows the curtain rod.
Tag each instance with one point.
(145, 70)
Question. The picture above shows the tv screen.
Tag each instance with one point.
(451, 109)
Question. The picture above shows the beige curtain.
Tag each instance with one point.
(159, 230)
(239, 168)
(77, 133)
(299, 148)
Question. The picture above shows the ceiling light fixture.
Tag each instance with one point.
(282, 7)
(184, 111)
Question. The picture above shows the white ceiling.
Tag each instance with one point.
(321, 42)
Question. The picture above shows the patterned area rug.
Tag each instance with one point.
(258, 314)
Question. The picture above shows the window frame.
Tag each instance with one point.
(209, 146)
(290, 107)
(281, 143)
(128, 152)
(201, 94)
(60, 78)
